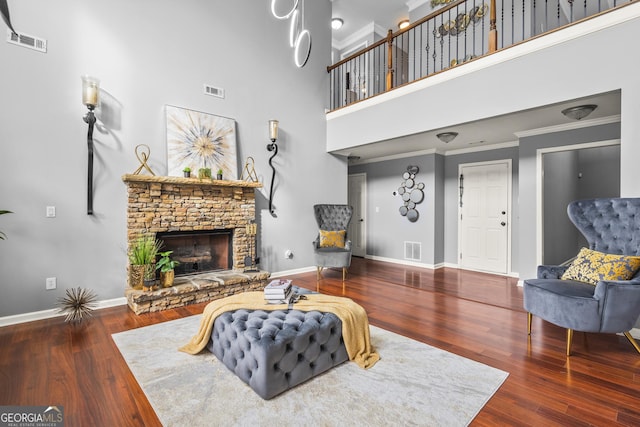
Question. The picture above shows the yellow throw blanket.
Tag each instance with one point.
(355, 323)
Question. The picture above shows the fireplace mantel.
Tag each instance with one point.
(189, 181)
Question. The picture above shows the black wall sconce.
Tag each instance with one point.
(90, 98)
(273, 136)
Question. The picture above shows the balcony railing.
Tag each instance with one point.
(457, 33)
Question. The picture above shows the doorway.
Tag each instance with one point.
(484, 220)
(357, 191)
(566, 174)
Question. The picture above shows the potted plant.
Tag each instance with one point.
(142, 258)
(2, 235)
(204, 173)
(219, 174)
(166, 266)
(187, 172)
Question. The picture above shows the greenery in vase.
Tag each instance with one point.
(187, 169)
(204, 173)
(144, 250)
(165, 263)
(2, 235)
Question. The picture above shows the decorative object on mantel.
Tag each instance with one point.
(299, 37)
(411, 193)
(251, 171)
(4, 9)
(78, 304)
(143, 155)
(2, 235)
(273, 136)
(200, 140)
(219, 174)
(204, 173)
(186, 172)
(90, 98)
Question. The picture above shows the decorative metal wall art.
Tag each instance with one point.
(299, 36)
(411, 192)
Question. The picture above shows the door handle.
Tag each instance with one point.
(361, 220)
(503, 223)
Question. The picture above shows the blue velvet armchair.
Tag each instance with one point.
(611, 226)
(332, 218)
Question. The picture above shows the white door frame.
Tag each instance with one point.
(540, 185)
(364, 208)
(508, 162)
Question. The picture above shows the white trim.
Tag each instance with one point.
(482, 148)
(401, 261)
(509, 247)
(615, 17)
(54, 312)
(539, 187)
(569, 126)
(354, 49)
(284, 273)
(635, 333)
(368, 30)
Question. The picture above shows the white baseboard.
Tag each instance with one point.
(402, 262)
(54, 312)
(294, 271)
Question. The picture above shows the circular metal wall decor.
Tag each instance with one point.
(411, 193)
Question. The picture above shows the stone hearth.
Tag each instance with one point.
(166, 204)
(195, 289)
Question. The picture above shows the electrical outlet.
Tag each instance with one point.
(288, 254)
(51, 211)
(50, 283)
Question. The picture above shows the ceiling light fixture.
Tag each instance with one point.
(403, 24)
(336, 23)
(579, 112)
(447, 137)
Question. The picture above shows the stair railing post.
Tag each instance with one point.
(493, 31)
(390, 64)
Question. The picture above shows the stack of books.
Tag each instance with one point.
(278, 291)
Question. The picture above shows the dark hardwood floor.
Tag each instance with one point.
(475, 315)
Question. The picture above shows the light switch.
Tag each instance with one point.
(51, 211)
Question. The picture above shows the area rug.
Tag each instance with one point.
(412, 384)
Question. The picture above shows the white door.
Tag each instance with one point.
(484, 216)
(357, 193)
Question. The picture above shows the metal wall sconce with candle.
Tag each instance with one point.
(273, 136)
(90, 98)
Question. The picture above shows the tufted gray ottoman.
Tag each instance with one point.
(273, 351)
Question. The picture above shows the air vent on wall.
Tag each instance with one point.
(213, 91)
(412, 251)
(25, 40)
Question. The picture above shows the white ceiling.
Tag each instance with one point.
(358, 14)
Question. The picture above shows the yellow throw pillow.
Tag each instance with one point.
(332, 239)
(592, 266)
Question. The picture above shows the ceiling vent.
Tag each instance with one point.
(25, 40)
(214, 91)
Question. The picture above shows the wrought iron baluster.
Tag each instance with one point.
(523, 33)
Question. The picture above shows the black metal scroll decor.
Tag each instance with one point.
(412, 193)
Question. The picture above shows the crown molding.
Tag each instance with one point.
(569, 126)
(369, 29)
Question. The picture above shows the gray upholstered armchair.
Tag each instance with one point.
(611, 226)
(332, 248)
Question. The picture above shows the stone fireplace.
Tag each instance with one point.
(205, 223)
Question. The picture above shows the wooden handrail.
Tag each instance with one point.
(396, 34)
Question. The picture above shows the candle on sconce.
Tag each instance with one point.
(273, 130)
(90, 90)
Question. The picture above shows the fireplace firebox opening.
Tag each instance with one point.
(199, 251)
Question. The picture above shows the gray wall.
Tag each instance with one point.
(386, 229)
(528, 185)
(149, 54)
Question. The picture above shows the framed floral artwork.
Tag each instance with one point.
(200, 140)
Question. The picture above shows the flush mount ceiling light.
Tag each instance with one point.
(579, 112)
(403, 24)
(447, 137)
(336, 23)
